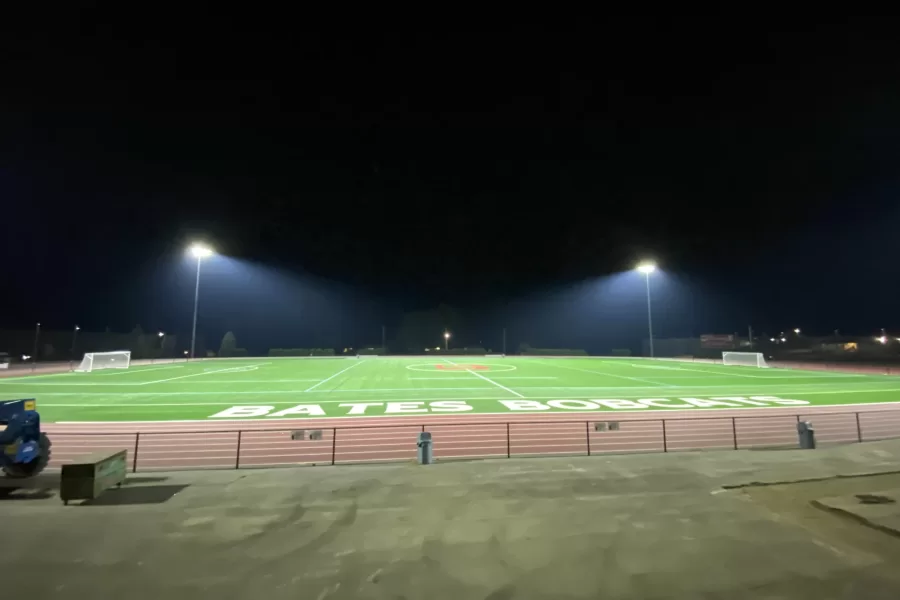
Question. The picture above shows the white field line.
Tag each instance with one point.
(217, 381)
(711, 390)
(391, 390)
(521, 377)
(429, 399)
(356, 364)
(238, 369)
(655, 383)
(797, 388)
(227, 370)
(131, 371)
(706, 371)
(794, 377)
(17, 378)
(253, 381)
(538, 416)
(480, 376)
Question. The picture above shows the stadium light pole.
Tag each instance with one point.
(162, 343)
(446, 340)
(37, 336)
(198, 251)
(647, 268)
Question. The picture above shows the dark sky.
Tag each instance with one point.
(757, 164)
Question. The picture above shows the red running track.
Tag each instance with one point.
(258, 443)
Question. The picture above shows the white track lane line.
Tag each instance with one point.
(480, 376)
(356, 364)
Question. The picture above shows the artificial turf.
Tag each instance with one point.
(268, 388)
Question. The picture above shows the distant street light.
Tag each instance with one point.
(198, 251)
(74, 336)
(646, 268)
(797, 331)
(201, 251)
(446, 340)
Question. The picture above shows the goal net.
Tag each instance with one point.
(746, 359)
(93, 361)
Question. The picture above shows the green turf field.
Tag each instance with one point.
(268, 388)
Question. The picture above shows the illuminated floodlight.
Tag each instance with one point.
(446, 335)
(200, 251)
(783, 339)
(771, 339)
(161, 334)
(646, 267)
(797, 331)
(882, 339)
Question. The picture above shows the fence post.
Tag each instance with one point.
(665, 444)
(734, 432)
(587, 436)
(137, 439)
(858, 429)
(237, 458)
(508, 454)
(333, 444)
(423, 428)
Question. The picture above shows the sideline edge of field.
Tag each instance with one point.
(509, 413)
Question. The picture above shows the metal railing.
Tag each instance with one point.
(246, 448)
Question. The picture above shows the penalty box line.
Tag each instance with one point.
(479, 375)
(311, 388)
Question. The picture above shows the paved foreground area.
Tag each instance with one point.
(641, 527)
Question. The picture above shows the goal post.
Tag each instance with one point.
(93, 361)
(745, 359)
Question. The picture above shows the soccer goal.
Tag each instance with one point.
(746, 359)
(93, 361)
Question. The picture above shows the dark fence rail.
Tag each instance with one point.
(376, 443)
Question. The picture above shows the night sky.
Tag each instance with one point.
(511, 175)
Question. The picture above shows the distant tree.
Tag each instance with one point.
(169, 344)
(425, 328)
(137, 342)
(228, 345)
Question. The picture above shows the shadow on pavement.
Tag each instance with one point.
(147, 494)
(12, 493)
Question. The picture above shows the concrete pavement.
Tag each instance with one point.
(641, 527)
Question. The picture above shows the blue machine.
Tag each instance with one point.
(24, 450)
